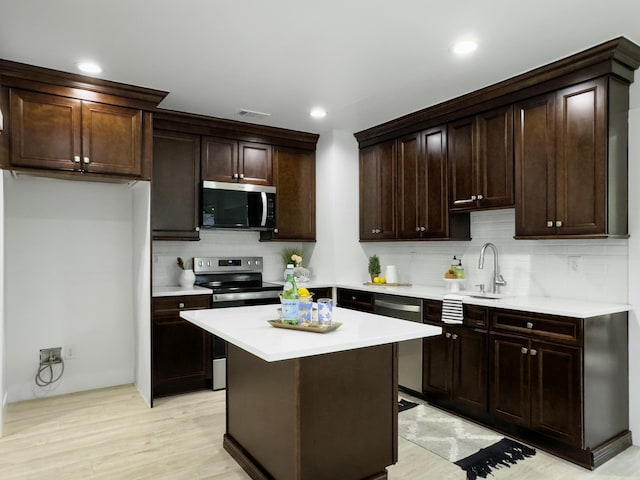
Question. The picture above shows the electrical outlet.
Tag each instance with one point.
(50, 355)
(575, 261)
(69, 352)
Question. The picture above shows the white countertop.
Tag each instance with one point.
(174, 290)
(550, 305)
(247, 328)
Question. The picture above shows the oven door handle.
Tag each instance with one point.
(263, 222)
(230, 297)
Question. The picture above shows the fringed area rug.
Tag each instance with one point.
(475, 449)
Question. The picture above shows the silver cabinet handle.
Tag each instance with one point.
(558, 223)
(181, 305)
(480, 196)
(423, 229)
(448, 335)
(523, 350)
(76, 158)
(197, 229)
(474, 198)
(275, 230)
(533, 352)
(454, 336)
(549, 224)
(529, 325)
(85, 160)
(235, 176)
(241, 176)
(418, 229)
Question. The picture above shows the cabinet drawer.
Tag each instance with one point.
(475, 316)
(355, 299)
(550, 327)
(175, 304)
(432, 311)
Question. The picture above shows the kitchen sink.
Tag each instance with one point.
(486, 295)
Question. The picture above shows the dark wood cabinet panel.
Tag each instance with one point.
(181, 352)
(175, 187)
(321, 292)
(480, 155)
(436, 370)
(294, 174)
(219, 159)
(355, 299)
(226, 160)
(556, 386)
(510, 394)
(561, 163)
(60, 133)
(469, 383)
(422, 167)
(377, 192)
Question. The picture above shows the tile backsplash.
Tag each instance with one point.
(582, 269)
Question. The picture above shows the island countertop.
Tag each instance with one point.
(247, 328)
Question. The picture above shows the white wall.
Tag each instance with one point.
(141, 273)
(68, 282)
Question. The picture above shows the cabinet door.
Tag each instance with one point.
(509, 379)
(581, 159)
(535, 166)
(494, 166)
(45, 131)
(411, 186)
(254, 163)
(295, 181)
(219, 159)
(469, 364)
(111, 139)
(175, 189)
(436, 365)
(460, 157)
(377, 192)
(556, 393)
(432, 183)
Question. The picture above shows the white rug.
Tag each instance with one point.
(448, 436)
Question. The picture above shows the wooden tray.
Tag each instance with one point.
(387, 284)
(305, 328)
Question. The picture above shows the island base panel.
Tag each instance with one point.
(313, 418)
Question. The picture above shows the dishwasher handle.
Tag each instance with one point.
(401, 307)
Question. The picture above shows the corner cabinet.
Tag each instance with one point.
(480, 154)
(175, 187)
(571, 162)
(294, 173)
(377, 192)
(181, 353)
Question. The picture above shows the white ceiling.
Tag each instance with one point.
(364, 61)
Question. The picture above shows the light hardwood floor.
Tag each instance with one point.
(112, 434)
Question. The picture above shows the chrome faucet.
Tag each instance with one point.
(496, 281)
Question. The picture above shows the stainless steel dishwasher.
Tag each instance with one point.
(409, 352)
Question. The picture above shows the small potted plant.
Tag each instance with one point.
(374, 266)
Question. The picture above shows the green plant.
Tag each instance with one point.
(290, 252)
(374, 266)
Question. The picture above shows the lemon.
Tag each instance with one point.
(383, 280)
(303, 292)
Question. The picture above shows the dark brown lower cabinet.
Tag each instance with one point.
(181, 355)
(538, 385)
(455, 368)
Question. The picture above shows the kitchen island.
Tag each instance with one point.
(312, 406)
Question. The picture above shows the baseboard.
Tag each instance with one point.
(610, 449)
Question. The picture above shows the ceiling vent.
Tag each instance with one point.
(252, 114)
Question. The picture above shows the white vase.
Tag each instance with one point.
(187, 278)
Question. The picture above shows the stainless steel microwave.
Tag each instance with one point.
(238, 205)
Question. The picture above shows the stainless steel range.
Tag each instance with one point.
(235, 281)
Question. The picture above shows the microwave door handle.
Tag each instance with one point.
(263, 223)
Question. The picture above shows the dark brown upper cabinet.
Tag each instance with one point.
(422, 187)
(570, 177)
(294, 172)
(378, 192)
(480, 155)
(75, 126)
(225, 160)
(175, 187)
(61, 133)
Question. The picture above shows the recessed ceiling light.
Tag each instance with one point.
(89, 67)
(318, 112)
(465, 47)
